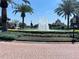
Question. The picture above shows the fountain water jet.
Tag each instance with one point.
(43, 24)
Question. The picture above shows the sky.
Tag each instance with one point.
(41, 9)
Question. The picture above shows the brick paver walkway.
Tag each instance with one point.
(38, 51)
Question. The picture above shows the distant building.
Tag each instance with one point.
(74, 22)
(58, 24)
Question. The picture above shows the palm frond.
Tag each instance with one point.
(15, 11)
(23, 8)
(26, 1)
(67, 7)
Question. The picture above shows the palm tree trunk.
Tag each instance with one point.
(68, 18)
(22, 22)
(4, 6)
(4, 19)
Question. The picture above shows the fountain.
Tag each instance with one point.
(43, 24)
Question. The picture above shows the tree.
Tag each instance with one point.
(4, 5)
(67, 8)
(23, 9)
(20, 25)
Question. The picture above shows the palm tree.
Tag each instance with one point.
(4, 5)
(23, 9)
(67, 8)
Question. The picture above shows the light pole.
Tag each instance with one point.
(73, 40)
(74, 23)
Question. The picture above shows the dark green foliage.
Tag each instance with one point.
(50, 26)
(75, 22)
(46, 37)
(67, 8)
(23, 9)
(9, 36)
(57, 31)
(43, 36)
(35, 26)
(20, 25)
(0, 27)
(4, 5)
(57, 25)
(76, 35)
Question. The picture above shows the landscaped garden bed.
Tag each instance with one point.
(41, 36)
(35, 35)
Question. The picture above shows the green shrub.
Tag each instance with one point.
(7, 36)
(10, 36)
(0, 27)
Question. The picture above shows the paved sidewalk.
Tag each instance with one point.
(15, 50)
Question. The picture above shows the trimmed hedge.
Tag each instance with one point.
(28, 35)
(41, 32)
